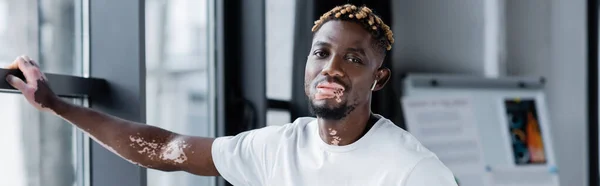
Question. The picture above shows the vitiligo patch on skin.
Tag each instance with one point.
(330, 91)
(338, 94)
(106, 146)
(332, 132)
(147, 148)
(113, 150)
(172, 152)
(336, 140)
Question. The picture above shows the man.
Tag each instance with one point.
(344, 145)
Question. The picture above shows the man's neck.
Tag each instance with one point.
(347, 130)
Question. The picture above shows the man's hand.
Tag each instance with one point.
(35, 88)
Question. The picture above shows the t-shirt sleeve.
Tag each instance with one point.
(241, 159)
(430, 171)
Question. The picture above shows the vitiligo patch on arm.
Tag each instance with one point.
(173, 152)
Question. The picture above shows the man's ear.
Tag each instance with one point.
(382, 77)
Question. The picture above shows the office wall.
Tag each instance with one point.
(438, 36)
(538, 38)
(548, 38)
(528, 40)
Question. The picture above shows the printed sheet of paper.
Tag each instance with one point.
(447, 127)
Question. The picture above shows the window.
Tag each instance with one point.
(72, 38)
(177, 76)
(278, 117)
(40, 148)
(280, 45)
(59, 33)
(46, 30)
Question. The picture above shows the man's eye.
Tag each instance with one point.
(320, 54)
(354, 60)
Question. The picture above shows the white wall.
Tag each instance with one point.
(438, 36)
(541, 38)
(548, 38)
(528, 40)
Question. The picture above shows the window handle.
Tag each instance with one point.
(62, 85)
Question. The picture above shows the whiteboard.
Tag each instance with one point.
(493, 101)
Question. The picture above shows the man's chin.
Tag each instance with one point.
(327, 103)
(329, 109)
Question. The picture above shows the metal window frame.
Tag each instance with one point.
(240, 66)
(117, 54)
(63, 85)
(305, 15)
(279, 104)
(593, 9)
(241, 102)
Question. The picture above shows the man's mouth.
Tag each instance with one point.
(327, 90)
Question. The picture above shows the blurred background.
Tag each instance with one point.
(214, 68)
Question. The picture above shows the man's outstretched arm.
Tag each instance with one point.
(142, 144)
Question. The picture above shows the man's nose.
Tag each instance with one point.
(333, 67)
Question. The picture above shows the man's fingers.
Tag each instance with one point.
(22, 62)
(30, 61)
(15, 63)
(16, 82)
(12, 66)
(26, 58)
(30, 70)
(31, 73)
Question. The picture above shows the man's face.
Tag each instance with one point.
(340, 69)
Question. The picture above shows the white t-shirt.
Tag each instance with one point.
(295, 155)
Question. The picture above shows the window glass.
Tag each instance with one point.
(59, 36)
(46, 30)
(38, 148)
(279, 42)
(177, 77)
(278, 117)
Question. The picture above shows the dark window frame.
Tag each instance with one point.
(593, 9)
(66, 86)
(279, 104)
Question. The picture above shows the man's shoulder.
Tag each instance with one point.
(285, 130)
(299, 124)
